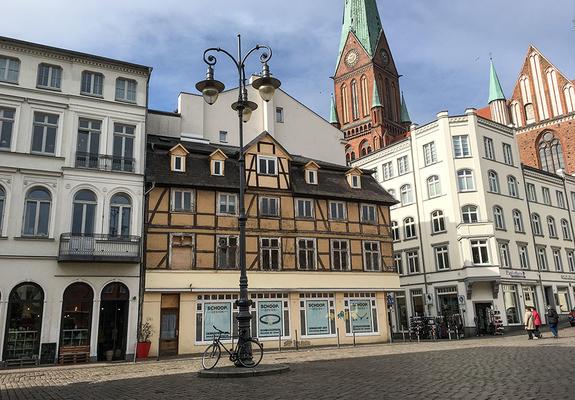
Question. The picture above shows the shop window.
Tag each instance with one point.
(448, 303)
(511, 302)
(401, 311)
(529, 296)
(362, 312)
(317, 314)
(562, 300)
(76, 315)
(417, 302)
(218, 313)
(272, 315)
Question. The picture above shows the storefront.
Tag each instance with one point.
(417, 303)
(562, 300)
(447, 301)
(401, 313)
(512, 305)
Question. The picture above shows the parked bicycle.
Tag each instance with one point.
(248, 354)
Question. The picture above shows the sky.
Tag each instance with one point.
(441, 47)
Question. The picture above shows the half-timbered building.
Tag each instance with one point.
(318, 246)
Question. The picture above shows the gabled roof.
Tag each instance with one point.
(362, 18)
(312, 164)
(265, 134)
(495, 90)
(218, 151)
(179, 146)
(354, 170)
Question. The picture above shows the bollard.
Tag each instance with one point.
(403, 333)
(353, 338)
(280, 342)
(449, 333)
(417, 337)
(296, 343)
(337, 330)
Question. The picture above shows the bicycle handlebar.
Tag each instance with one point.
(222, 332)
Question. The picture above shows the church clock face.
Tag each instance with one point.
(351, 58)
(385, 57)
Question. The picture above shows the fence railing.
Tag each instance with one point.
(104, 162)
(99, 248)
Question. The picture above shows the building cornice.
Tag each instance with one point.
(547, 123)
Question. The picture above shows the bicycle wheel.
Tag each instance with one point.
(253, 348)
(211, 356)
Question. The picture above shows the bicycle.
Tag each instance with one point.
(249, 354)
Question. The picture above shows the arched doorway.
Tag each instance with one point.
(113, 326)
(24, 322)
(75, 328)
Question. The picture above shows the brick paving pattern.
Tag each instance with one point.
(489, 368)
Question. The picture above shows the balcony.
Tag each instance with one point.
(99, 248)
(104, 162)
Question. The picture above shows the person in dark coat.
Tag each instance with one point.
(553, 321)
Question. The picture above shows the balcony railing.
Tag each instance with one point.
(99, 248)
(104, 162)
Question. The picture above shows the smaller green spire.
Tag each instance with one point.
(405, 118)
(333, 112)
(375, 101)
(495, 90)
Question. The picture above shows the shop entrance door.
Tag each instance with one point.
(113, 327)
(549, 296)
(482, 317)
(169, 324)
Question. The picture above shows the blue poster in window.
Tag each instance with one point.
(270, 318)
(360, 314)
(317, 317)
(218, 315)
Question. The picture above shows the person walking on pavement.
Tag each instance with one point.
(553, 321)
(529, 322)
(537, 321)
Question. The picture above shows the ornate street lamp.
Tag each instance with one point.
(211, 88)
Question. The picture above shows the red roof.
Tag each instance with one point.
(484, 112)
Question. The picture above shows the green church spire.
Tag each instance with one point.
(375, 101)
(333, 112)
(495, 90)
(362, 18)
(405, 118)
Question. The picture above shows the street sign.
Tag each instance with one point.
(461, 299)
(428, 299)
(390, 300)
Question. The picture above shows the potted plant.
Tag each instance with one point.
(145, 332)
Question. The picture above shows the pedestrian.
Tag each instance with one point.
(529, 322)
(537, 322)
(553, 320)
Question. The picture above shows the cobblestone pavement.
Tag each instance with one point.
(487, 368)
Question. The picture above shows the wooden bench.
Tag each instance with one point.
(74, 355)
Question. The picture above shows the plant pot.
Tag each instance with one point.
(143, 349)
(109, 354)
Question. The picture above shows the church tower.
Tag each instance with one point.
(497, 101)
(366, 83)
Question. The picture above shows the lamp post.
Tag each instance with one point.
(211, 88)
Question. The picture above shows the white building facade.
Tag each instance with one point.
(71, 198)
(466, 239)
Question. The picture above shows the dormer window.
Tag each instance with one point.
(178, 157)
(179, 164)
(355, 182)
(218, 167)
(267, 165)
(217, 163)
(354, 178)
(311, 176)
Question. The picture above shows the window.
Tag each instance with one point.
(227, 256)
(546, 195)
(493, 182)
(218, 313)
(182, 200)
(398, 263)
(437, 222)
(337, 210)
(227, 203)
(406, 195)
(557, 260)
(316, 314)
(6, 126)
(412, 261)
(518, 221)
(480, 252)
(511, 302)
(345, 103)
(44, 133)
(512, 186)
(536, 224)
(179, 164)
(311, 177)
(441, 257)
(387, 171)
(2, 202)
(49, 76)
(340, 255)
(123, 151)
(269, 207)
(92, 83)
(270, 254)
(88, 146)
(306, 258)
(368, 214)
(354, 100)
(355, 182)
(395, 235)
(279, 115)
(552, 227)
(362, 309)
(304, 208)
(218, 167)
(498, 218)
(267, 165)
(84, 213)
(551, 153)
(566, 229)
(37, 212)
(507, 154)
(571, 260)
(560, 199)
(461, 146)
(371, 256)
(542, 259)
(9, 69)
(364, 97)
(223, 136)
(120, 215)
(489, 150)
(409, 228)
(429, 153)
(465, 181)
(531, 192)
(504, 255)
(523, 256)
(433, 186)
(402, 165)
(126, 90)
(182, 251)
(469, 214)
